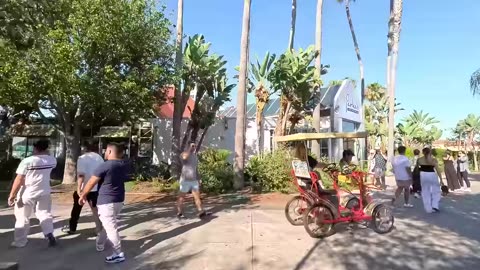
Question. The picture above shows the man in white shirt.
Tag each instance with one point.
(86, 165)
(402, 168)
(33, 179)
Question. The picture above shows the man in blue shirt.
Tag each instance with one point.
(110, 177)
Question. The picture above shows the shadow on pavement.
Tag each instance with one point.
(143, 246)
(445, 240)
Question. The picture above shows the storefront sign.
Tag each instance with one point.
(351, 105)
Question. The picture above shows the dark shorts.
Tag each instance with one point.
(92, 198)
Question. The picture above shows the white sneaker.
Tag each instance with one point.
(407, 205)
(467, 190)
(416, 195)
(17, 245)
(115, 258)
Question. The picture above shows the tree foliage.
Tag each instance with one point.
(376, 114)
(294, 76)
(98, 58)
(206, 73)
(419, 129)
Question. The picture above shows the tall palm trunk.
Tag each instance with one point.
(318, 68)
(239, 163)
(357, 50)
(292, 25)
(394, 36)
(177, 105)
(280, 128)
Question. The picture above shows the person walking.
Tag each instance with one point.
(110, 177)
(453, 182)
(86, 165)
(416, 186)
(33, 182)
(379, 168)
(463, 171)
(371, 165)
(402, 169)
(429, 178)
(189, 181)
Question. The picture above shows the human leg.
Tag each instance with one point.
(108, 214)
(465, 178)
(406, 195)
(436, 195)
(185, 188)
(92, 202)
(460, 179)
(22, 214)
(74, 215)
(426, 195)
(44, 215)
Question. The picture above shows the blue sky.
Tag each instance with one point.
(439, 44)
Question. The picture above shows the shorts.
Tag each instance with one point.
(378, 172)
(187, 186)
(92, 198)
(404, 183)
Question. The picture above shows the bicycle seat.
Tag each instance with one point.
(322, 191)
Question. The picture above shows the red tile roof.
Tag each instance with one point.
(166, 109)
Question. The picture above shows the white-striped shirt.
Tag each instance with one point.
(37, 170)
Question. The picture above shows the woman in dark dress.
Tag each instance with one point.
(450, 173)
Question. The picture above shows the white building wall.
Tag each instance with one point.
(221, 135)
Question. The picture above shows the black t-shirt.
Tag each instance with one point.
(113, 174)
(312, 162)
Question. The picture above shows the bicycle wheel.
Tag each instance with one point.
(382, 219)
(314, 221)
(294, 210)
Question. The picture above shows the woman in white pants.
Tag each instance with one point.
(430, 178)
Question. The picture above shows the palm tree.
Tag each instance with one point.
(375, 92)
(239, 162)
(259, 84)
(475, 82)
(318, 67)
(421, 119)
(355, 44)
(396, 9)
(177, 108)
(292, 25)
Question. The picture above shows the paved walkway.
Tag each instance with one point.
(241, 236)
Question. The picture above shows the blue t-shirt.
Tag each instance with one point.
(112, 174)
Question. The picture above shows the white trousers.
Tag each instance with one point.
(24, 208)
(108, 214)
(430, 190)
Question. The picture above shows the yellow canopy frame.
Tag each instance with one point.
(320, 136)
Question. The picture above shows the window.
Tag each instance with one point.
(349, 126)
(324, 148)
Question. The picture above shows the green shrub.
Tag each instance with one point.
(215, 170)
(144, 170)
(270, 171)
(409, 153)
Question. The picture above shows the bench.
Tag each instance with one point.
(8, 266)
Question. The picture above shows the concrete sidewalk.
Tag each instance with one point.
(239, 236)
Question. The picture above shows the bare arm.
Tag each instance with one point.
(80, 179)
(17, 184)
(90, 184)
(437, 169)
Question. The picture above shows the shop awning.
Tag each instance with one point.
(319, 136)
(114, 132)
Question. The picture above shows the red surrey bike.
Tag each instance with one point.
(319, 219)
